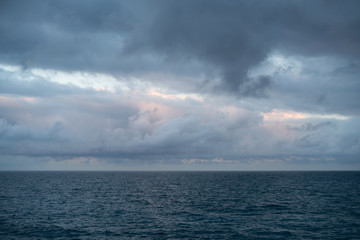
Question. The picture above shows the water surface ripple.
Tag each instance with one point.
(180, 205)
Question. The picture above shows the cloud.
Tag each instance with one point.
(309, 127)
(230, 39)
(325, 85)
(196, 82)
(141, 127)
(28, 84)
(210, 39)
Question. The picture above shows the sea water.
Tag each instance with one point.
(179, 205)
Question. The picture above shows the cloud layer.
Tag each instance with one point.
(205, 83)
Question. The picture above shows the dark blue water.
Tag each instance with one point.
(180, 205)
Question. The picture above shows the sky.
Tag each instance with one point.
(179, 85)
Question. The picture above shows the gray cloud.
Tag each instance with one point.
(93, 126)
(309, 127)
(319, 85)
(227, 38)
(242, 60)
(231, 39)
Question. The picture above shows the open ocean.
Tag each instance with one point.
(180, 205)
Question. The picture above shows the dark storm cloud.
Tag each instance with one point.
(61, 34)
(227, 38)
(233, 36)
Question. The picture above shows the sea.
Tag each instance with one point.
(180, 205)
